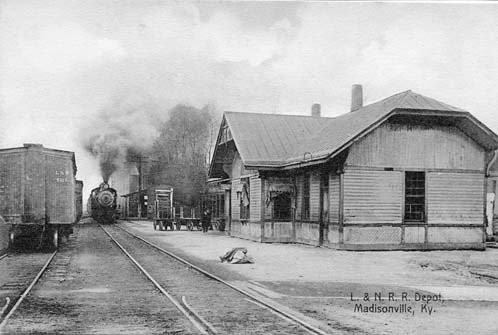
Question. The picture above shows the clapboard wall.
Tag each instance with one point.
(417, 146)
(374, 189)
(372, 196)
(367, 194)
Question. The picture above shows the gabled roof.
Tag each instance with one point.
(348, 126)
(270, 138)
(285, 141)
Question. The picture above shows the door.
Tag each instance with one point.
(491, 208)
(324, 207)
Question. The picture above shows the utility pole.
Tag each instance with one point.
(139, 166)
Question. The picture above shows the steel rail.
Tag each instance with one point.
(311, 329)
(198, 316)
(26, 291)
(198, 323)
(3, 256)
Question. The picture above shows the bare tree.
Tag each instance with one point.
(178, 154)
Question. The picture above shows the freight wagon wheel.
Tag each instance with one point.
(55, 238)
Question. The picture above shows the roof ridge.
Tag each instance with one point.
(407, 93)
(388, 98)
(276, 114)
(436, 100)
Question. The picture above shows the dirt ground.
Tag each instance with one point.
(328, 285)
(90, 288)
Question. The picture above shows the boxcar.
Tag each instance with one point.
(78, 198)
(37, 192)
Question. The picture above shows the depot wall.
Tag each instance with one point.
(361, 205)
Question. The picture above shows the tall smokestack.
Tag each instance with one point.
(316, 110)
(356, 97)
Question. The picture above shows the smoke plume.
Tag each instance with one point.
(127, 126)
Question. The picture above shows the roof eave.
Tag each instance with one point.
(461, 114)
(234, 136)
(211, 165)
(399, 111)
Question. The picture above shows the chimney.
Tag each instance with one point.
(316, 110)
(356, 97)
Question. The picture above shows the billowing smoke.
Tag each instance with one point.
(126, 127)
(108, 152)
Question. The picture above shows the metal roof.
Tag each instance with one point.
(270, 138)
(280, 141)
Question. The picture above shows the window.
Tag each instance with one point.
(305, 214)
(414, 196)
(282, 207)
(245, 199)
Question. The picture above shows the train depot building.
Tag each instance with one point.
(407, 172)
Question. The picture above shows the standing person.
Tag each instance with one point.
(206, 220)
(209, 226)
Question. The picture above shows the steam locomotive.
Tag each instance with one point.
(102, 204)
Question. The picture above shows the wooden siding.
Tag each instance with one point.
(372, 196)
(334, 195)
(60, 189)
(4, 236)
(78, 198)
(315, 196)
(236, 187)
(454, 235)
(455, 198)
(307, 232)
(372, 235)
(278, 232)
(39, 184)
(255, 199)
(246, 230)
(11, 184)
(238, 171)
(332, 235)
(236, 166)
(415, 146)
(35, 199)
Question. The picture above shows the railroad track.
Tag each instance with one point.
(213, 305)
(6, 310)
(198, 322)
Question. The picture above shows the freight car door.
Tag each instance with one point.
(12, 185)
(60, 189)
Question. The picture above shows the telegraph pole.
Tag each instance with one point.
(139, 165)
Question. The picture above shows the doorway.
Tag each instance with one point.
(324, 207)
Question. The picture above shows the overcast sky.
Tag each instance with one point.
(63, 62)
